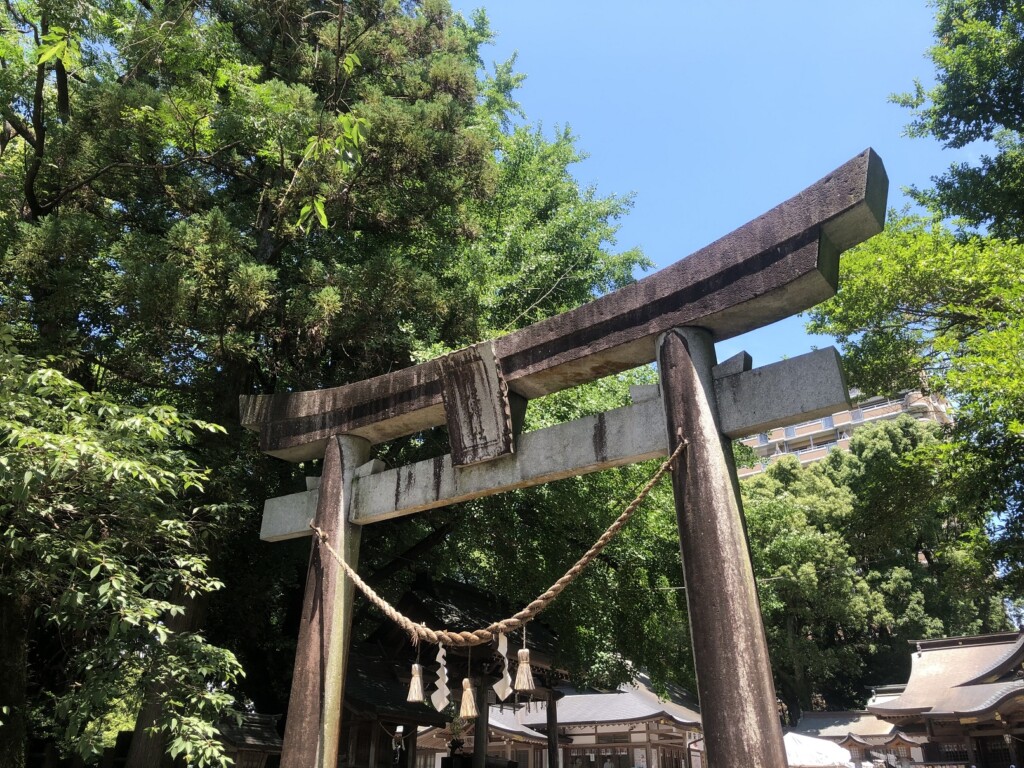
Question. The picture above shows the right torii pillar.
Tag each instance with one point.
(730, 651)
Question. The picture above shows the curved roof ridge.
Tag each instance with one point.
(623, 706)
(992, 638)
(999, 693)
(1003, 663)
(951, 669)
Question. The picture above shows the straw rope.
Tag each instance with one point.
(420, 632)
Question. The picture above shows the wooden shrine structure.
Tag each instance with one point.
(779, 264)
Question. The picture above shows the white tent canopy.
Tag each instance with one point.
(808, 752)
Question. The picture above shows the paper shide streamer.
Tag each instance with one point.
(439, 698)
(503, 688)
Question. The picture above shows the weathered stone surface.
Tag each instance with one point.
(756, 398)
(476, 405)
(780, 263)
(612, 439)
(801, 388)
(321, 655)
(734, 677)
(738, 363)
(641, 393)
(615, 438)
(288, 517)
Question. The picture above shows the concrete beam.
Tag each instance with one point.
(751, 401)
(798, 389)
(287, 517)
(611, 439)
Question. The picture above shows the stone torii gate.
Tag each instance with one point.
(779, 264)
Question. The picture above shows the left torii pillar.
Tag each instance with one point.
(318, 685)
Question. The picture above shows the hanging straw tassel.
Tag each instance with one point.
(416, 685)
(468, 708)
(524, 675)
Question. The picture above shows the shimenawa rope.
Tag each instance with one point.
(420, 632)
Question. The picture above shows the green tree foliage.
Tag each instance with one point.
(815, 603)
(919, 306)
(860, 553)
(207, 199)
(177, 173)
(978, 58)
(543, 247)
(922, 546)
(100, 530)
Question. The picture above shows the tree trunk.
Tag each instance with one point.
(149, 747)
(13, 681)
(799, 699)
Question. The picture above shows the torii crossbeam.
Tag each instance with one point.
(781, 263)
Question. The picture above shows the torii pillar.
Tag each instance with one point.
(313, 726)
(730, 651)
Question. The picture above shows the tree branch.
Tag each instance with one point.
(18, 125)
(134, 166)
(39, 127)
(407, 558)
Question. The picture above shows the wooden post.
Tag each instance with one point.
(552, 730)
(410, 747)
(314, 711)
(481, 726)
(972, 753)
(734, 678)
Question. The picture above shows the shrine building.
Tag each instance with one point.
(966, 695)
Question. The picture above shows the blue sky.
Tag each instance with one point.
(713, 112)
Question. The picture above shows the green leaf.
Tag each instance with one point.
(57, 50)
(312, 150)
(321, 214)
(350, 63)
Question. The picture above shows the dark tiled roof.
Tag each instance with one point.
(884, 741)
(372, 686)
(831, 725)
(629, 704)
(958, 676)
(444, 604)
(460, 607)
(501, 722)
(255, 732)
(977, 699)
(504, 720)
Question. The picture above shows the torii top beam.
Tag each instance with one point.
(781, 263)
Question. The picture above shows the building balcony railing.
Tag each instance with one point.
(804, 456)
(811, 440)
(828, 423)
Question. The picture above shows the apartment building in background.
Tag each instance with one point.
(814, 439)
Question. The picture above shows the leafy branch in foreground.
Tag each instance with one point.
(99, 536)
(977, 97)
(921, 306)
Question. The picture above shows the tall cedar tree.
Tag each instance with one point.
(200, 200)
